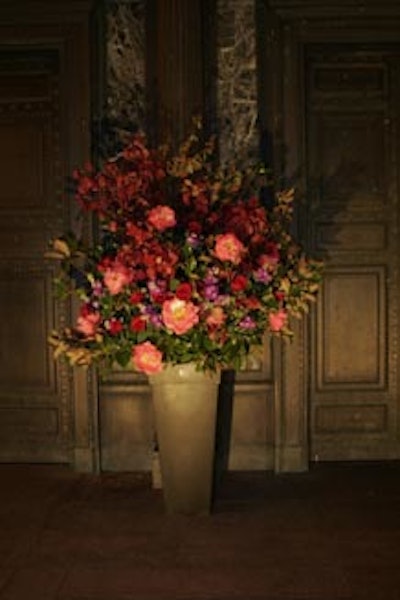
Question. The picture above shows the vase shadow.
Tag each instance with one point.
(223, 429)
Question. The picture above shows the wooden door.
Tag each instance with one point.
(43, 132)
(351, 120)
(332, 104)
(34, 419)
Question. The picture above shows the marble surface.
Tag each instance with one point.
(237, 78)
(125, 62)
(236, 82)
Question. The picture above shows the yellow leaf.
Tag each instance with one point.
(62, 248)
(53, 255)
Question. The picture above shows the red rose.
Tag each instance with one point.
(253, 303)
(104, 264)
(115, 326)
(279, 295)
(184, 291)
(194, 227)
(158, 296)
(136, 297)
(137, 324)
(238, 283)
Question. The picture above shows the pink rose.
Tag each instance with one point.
(161, 217)
(277, 320)
(147, 358)
(228, 247)
(116, 277)
(87, 322)
(179, 316)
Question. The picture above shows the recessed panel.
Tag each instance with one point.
(344, 237)
(349, 78)
(351, 330)
(127, 432)
(24, 243)
(350, 159)
(23, 340)
(29, 87)
(252, 420)
(22, 423)
(21, 165)
(351, 419)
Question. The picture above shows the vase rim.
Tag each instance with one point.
(183, 372)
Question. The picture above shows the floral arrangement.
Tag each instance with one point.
(192, 264)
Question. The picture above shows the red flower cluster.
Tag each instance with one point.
(191, 265)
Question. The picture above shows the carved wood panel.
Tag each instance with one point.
(351, 115)
(35, 405)
(47, 411)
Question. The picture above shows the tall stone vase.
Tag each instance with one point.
(185, 410)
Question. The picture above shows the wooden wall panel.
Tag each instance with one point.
(127, 439)
(25, 355)
(44, 106)
(350, 126)
(361, 419)
(252, 433)
(353, 312)
(340, 236)
(351, 159)
(331, 109)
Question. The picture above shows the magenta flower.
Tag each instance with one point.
(262, 275)
(247, 323)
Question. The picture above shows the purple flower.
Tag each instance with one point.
(156, 320)
(97, 288)
(247, 323)
(154, 315)
(210, 279)
(211, 292)
(262, 275)
(193, 240)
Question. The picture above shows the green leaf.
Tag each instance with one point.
(123, 357)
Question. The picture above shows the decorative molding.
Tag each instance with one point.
(38, 12)
(303, 9)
